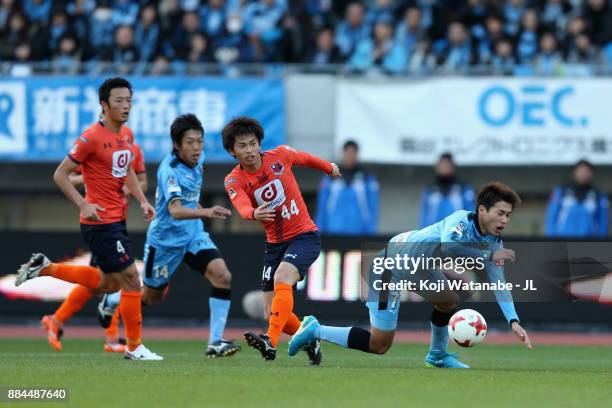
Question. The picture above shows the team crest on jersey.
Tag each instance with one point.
(459, 228)
(277, 168)
(232, 193)
(229, 181)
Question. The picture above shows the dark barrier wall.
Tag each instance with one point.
(330, 291)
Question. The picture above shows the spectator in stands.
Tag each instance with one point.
(379, 52)
(527, 44)
(409, 31)
(581, 56)
(78, 12)
(513, 14)
(446, 194)
(101, 31)
(473, 15)
(549, 59)
(456, 55)
(262, 20)
(160, 66)
(351, 30)
(421, 60)
(598, 16)
(66, 60)
(123, 52)
(554, 16)
(147, 33)
(125, 12)
(7, 7)
(234, 45)
(381, 10)
(485, 47)
(212, 18)
(37, 11)
(58, 28)
(16, 32)
(326, 51)
(578, 209)
(170, 16)
(349, 205)
(199, 50)
(176, 45)
(503, 62)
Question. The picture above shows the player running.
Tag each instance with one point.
(79, 295)
(177, 234)
(456, 234)
(262, 187)
(105, 152)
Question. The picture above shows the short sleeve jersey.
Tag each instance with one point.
(105, 158)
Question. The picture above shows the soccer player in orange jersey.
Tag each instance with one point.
(79, 295)
(262, 187)
(105, 152)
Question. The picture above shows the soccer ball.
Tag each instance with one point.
(467, 327)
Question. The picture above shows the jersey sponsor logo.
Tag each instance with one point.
(121, 163)
(272, 193)
(229, 181)
(277, 168)
(232, 193)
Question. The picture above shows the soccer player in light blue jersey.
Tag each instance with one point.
(457, 234)
(177, 234)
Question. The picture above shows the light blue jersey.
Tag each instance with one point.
(176, 181)
(458, 235)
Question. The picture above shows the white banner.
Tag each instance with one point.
(483, 121)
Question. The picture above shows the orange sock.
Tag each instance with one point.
(282, 308)
(292, 325)
(112, 333)
(74, 302)
(130, 308)
(85, 275)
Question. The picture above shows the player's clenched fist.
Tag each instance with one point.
(90, 211)
(148, 210)
(503, 254)
(263, 213)
(335, 173)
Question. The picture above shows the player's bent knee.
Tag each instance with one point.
(379, 346)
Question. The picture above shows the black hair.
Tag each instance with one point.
(111, 83)
(239, 126)
(446, 156)
(584, 162)
(494, 192)
(181, 125)
(350, 143)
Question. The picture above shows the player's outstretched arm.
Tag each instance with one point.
(134, 186)
(304, 159)
(62, 179)
(75, 178)
(179, 212)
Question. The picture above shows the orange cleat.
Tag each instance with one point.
(54, 331)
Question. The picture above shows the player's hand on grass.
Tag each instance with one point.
(521, 334)
(263, 213)
(148, 210)
(335, 173)
(90, 211)
(217, 212)
(503, 254)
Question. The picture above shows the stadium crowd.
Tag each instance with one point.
(518, 37)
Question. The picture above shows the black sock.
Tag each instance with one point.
(359, 339)
(220, 293)
(439, 318)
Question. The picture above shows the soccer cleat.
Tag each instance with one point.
(262, 343)
(115, 346)
(54, 332)
(222, 348)
(141, 353)
(32, 268)
(443, 360)
(314, 352)
(304, 335)
(104, 312)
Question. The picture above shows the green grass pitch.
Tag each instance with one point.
(502, 376)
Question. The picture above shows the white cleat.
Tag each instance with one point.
(32, 268)
(141, 353)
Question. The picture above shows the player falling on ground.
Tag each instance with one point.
(262, 187)
(177, 234)
(105, 152)
(456, 232)
(79, 295)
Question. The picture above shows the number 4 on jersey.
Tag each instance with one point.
(287, 213)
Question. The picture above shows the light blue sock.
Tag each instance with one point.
(112, 299)
(336, 335)
(439, 339)
(219, 308)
